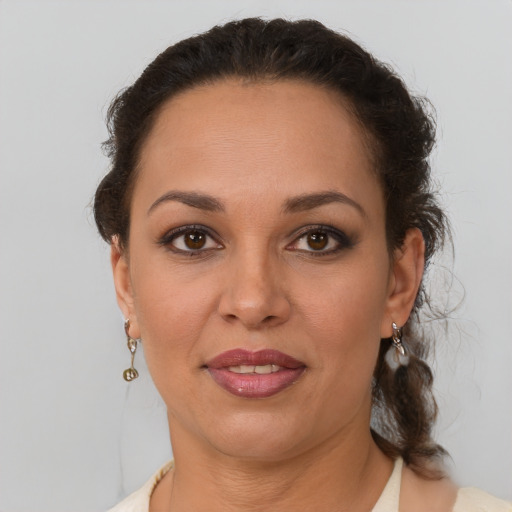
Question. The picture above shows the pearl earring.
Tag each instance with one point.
(396, 355)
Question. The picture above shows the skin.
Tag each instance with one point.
(257, 284)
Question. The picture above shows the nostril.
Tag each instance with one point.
(253, 305)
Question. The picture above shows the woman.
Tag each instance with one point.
(270, 215)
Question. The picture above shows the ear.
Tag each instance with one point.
(123, 286)
(405, 279)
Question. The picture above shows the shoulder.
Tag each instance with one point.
(139, 500)
(135, 502)
(470, 499)
(419, 494)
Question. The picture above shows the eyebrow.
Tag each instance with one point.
(194, 199)
(310, 201)
(299, 203)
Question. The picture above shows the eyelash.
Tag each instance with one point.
(171, 236)
(343, 241)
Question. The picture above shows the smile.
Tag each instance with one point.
(260, 369)
(259, 374)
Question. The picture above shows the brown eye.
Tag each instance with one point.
(321, 241)
(317, 240)
(194, 240)
(191, 240)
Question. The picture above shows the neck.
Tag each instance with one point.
(347, 473)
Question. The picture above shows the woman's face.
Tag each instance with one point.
(258, 273)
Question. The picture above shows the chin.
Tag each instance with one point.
(257, 437)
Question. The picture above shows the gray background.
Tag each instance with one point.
(73, 435)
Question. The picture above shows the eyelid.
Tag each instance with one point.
(171, 235)
(344, 241)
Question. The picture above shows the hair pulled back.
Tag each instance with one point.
(400, 132)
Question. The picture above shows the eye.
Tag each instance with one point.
(190, 239)
(317, 240)
(322, 240)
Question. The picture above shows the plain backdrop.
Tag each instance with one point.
(73, 435)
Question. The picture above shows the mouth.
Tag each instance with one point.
(258, 374)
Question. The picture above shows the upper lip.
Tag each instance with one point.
(240, 356)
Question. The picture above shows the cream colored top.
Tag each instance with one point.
(469, 499)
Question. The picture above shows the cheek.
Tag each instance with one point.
(344, 317)
(172, 311)
(347, 301)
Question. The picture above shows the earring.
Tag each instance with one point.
(130, 373)
(396, 355)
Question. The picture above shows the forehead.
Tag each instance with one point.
(289, 135)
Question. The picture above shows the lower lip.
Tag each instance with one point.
(254, 385)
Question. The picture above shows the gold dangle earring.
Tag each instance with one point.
(130, 373)
(396, 356)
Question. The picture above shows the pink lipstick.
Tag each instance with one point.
(258, 374)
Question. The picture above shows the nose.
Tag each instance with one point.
(254, 292)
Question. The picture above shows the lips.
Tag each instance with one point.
(254, 374)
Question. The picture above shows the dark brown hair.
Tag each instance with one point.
(401, 134)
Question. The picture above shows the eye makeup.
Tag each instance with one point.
(315, 240)
(321, 240)
(190, 240)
